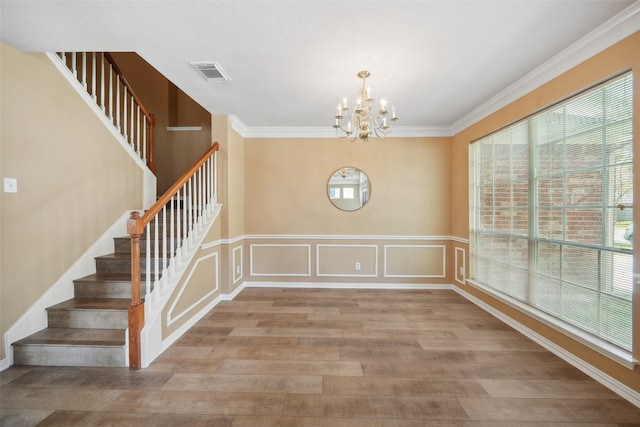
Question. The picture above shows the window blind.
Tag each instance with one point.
(552, 202)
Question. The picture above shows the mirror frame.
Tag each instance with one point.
(357, 184)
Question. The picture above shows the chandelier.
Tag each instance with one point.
(365, 121)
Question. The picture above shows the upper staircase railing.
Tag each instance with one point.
(104, 82)
(169, 231)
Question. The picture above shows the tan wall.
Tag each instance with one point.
(74, 180)
(286, 186)
(231, 195)
(619, 58)
(286, 194)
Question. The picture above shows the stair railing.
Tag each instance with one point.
(104, 82)
(169, 229)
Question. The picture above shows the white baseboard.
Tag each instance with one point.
(339, 285)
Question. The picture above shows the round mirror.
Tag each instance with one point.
(349, 189)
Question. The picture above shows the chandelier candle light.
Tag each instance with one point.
(362, 123)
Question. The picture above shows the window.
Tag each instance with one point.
(551, 204)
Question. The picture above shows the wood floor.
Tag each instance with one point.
(309, 357)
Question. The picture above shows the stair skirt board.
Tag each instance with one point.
(35, 319)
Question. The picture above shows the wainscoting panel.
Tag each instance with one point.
(270, 260)
(204, 277)
(237, 264)
(347, 260)
(460, 264)
(425, 261)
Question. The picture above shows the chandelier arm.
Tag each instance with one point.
(363, 122)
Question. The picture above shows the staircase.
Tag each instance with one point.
(90, 329)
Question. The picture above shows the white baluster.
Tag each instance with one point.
(172, 241)
(201, 206)
(190, 213)
(74, 68)
(84, 70)
(185, 217)
(143, 155)
(147, 269)
(179, 242)
(102, 84)
(124, 114)
(111, 92)
(215, 178)
(164, 243)
(132, 128)
(94, 73)
(137, 143)
(156, 267)
(118, 103)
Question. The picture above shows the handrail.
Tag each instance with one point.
(177, 217)
(95, 72)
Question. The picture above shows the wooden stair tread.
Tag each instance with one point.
(119, 304)
(101, 278)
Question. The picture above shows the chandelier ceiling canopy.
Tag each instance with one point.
(365, 121)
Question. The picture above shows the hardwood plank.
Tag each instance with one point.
(330, 358)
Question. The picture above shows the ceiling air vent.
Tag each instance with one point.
(212, 71)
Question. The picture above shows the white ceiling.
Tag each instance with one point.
(442, 63)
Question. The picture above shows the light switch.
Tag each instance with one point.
(10, 185)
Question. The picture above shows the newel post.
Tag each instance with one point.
(136, 309)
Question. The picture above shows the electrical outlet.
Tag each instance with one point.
(462, 271)
(357, 266)
(10, 185)
(237, 269)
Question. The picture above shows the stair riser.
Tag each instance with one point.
(122, 245)
(105, 289)
(69, 355)
(106, 267)
(97, 319)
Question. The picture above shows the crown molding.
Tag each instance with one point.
(614, 30)
(328, 132)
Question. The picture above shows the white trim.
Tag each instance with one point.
(218, 242)
(35, 318)
(344, 237)
(462, 276)
(460, 240)
(235, 264)
(170, 319)
(611, 383)
(341, 285)
(375, 255)
(251, 258)
(426, 276)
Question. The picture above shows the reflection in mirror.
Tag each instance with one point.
(349, 189)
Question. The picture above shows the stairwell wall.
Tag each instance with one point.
(74, 181)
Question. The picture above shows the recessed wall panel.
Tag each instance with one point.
(427, 261)
(280, 260)
(347, 260)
